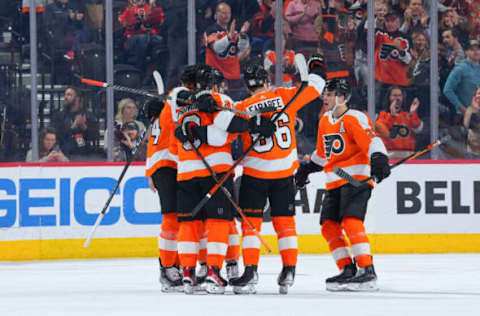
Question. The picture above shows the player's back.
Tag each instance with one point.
(161, 150)
(275, 157)
(217, 153)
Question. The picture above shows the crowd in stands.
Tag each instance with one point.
(152, 35)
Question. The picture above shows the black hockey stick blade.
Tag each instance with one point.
(345, 175)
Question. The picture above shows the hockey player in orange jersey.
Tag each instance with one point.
(268, 172)
(211, 131)
(346, 138)
(161, 169)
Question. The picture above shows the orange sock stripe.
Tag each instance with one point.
(167, 241)
(202, 253)
(287, 238)
(355, 231)
(233, 250)
(217, 241)
(250, 243)
(188, 242)
(332, 232)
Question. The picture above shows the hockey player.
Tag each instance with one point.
(346, 138)
(208, 129)
(161, 169)
(268, 172)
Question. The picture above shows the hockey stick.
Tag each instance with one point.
(255, 142)
(228, 195)
(104, 210)
(345, 175)
(163, 97)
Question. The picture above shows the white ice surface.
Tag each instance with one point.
(409, 285)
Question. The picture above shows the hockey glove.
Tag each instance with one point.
(205, 102)
(380, 169)
(185, 97)
(301, 177)
(187, 132)
(262, 125)
(316, 65)
(387, 50)
(152, 108)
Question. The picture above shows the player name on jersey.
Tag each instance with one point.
(277, 103)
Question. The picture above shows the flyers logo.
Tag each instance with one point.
(333, 143)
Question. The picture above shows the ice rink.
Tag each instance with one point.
(409, 285)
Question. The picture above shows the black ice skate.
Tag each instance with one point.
(232, 269)
(189, 280)
(215, 284)
(286, 278)
(338, 282)
(246, 283)
(365, 280)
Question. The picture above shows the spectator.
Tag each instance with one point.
(419, 71)
(301, 15)
(126, 137)
(288, 65)
(415, 18)
(455, 53)
(63, 23)
(398, 127)
(471, 121)
(223, 45)
(48, 150)
(77, 130)
(176, 32)
(336, 38)
(451, 20)
(392, 57)
(127, 111)
(464, 78)
(263, 27)
(142, 22)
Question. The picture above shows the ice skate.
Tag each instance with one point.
(246, 284)
(286, 279)
(215, 284)
(189, 280)
(170, 280)
(201, 276)
(338, 282)
(364, 281)
(232, 269)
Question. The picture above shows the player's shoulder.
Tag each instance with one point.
(355, 116)
(223, 99)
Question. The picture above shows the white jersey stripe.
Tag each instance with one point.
(340, 253)
(216, 248)
(271, 165)
(167, 244)
(220, 158)
(290, 242)
(187, 247)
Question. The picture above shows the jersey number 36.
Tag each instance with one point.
(283, 136)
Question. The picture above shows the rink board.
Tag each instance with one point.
(46, 211)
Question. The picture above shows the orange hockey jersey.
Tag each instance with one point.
(346, 142)
(397, 132)
(217, 151)
(162, 148)
(276, 157)
(271, 59)
(392, 69)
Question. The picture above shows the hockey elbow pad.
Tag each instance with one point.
(205, 102)
(380, 169)
(185, 97)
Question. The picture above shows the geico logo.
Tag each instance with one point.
(409, 197)
(60, 196)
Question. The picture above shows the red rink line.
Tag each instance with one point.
(140, 163)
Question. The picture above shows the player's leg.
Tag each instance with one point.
(332, 232)
(165, 181)
(233, 251)
(202, 256)
(253, 195)
(189, 232)
(353, 208)
(219, 214)
(282, 202)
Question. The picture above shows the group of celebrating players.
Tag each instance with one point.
(189, 153)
